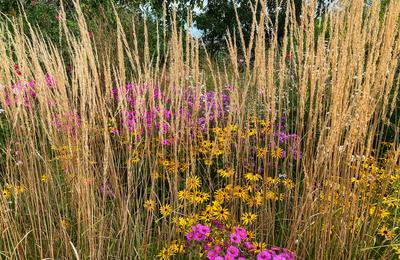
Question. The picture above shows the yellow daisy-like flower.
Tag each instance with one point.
(184, 195)
(248, 218)
(44, 178)
(250, 234)
(384, 213)
(183, 166)
(222, 214)
(180, 222)
(165, 254)
(226, 173)
(240, 192)
(261, 152)
(155, 175)
(135, 157)
(166, 210)
(149, 205)
(277, 153)
(19, 189)
(216, 152)
(64, 223)
(193, 183)
(385, 232)
(372, 210)
(260, 246)
(207, 162)
(232, 127)
(256, 200)
(253, 177)
(269, 181)
(6, 194)
(270, 195)
(251, 132)
(221, 195)
(288, 184)
(202, 197)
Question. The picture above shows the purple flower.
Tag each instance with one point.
(217, 249)
(264, 255)
(286, 256)
(219, 258)
(115, 131)
(203, 229)
(232, 251)
(241, 232)
(229, 257)
(217, 224)
(248, 245)
(166, 142)
(50, 81)
(212, 254)
(190, 236)
(199, 236)
(235, 238)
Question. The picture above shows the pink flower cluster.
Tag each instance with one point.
(149, 111)
(198, 233)
(221, 242)
(276, 253)
(23, 92)
(67, 122)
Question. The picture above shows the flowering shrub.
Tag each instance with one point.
(378, 181)
(219, 241)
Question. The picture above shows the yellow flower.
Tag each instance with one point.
(165, 254)
(372, 210)
(183, 166)
(253, 177)
(222, 214)
(206, 143)
(270, 195)
(260, 246)
(19, 189)
(226, 173)
(135, 157)
(6, 194)
(256, 200)
(384, 213)
(277, 153)
(184, 195)
(248, 218)
(240, 192)
(44, 178)
(272, 181)
(251, 235)
(221, 195)
(232, 127)
(288, 184)
(192, 183)
(155, 175)
(207, 162)
(199, 197)
(261, 152)
(251, 132)
(64, 223)
(180, 222)
(397, 250)
(149, 205)
(384, 231)
(216, 152)
(166, 210)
